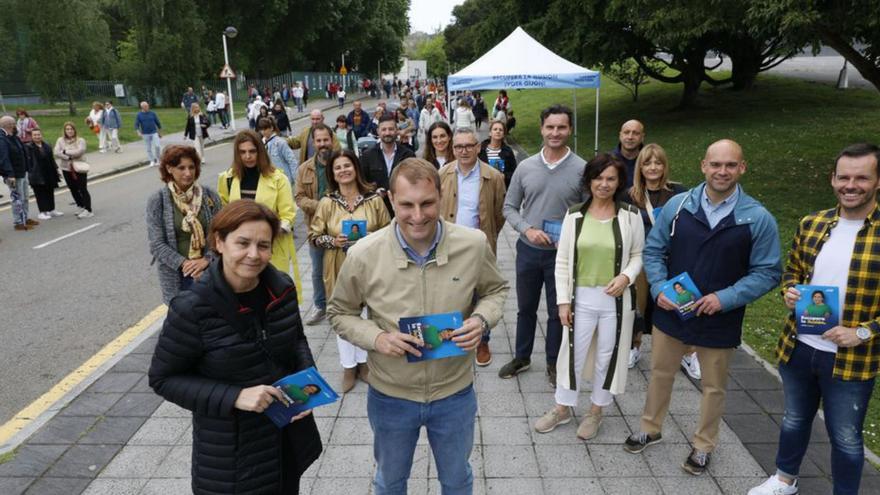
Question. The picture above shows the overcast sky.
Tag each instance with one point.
(428, 15)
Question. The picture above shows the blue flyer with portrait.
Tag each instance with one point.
(818, 309)
(354, 229)
(302, 391)
(436, 332)
(497, 164)
(553, 228)
(683, 292)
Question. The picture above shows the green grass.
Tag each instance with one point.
(4, 458)
(173, 120)
(790, 131)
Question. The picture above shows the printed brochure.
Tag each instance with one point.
(436, 332)
(817, 310)
(683, 292)
(303, 390)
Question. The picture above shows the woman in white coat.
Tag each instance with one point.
(598, 259)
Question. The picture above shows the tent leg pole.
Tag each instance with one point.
(596, 139)
(575, 98)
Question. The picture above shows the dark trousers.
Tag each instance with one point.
(79, 188)
(806, 380)
(224, 119)
(534, 270)
(45, 197)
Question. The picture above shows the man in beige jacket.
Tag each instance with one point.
(418, 265)
(472, 195)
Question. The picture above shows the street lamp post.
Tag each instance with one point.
(344, 76)
(229, 32)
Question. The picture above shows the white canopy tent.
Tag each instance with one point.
(520, 62)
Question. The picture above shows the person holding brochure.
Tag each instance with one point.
(651, 189)
(600, 255)
(348, 198)
(728, 244)
(836, 248)
(419, 265)
(543, 188)
(222, 346)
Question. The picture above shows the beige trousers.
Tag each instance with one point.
(666, 354)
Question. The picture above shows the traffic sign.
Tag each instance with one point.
(227, 72)
(343, 71)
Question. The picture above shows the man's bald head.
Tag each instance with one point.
(632, 135)
(722, 166)
(316, 117)
(727, 147)
(7, 122)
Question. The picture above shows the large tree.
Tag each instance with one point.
(432, 51)
(62, 48)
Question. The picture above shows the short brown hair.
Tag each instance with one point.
(322, 127)
(236, 213)
(172, 156)
(414, 170)
(263, 162)
(598, 164)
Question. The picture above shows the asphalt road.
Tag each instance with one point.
(64, 302)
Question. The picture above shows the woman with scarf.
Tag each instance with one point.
(43, 175)
(349, 198)
(178, 217)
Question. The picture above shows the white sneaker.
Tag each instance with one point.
(85, 214)
(56, 213)
(315, 315)
(691, 365)
(44, 216)
(774, 486)
(635, 355)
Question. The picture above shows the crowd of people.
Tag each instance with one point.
(600, 238)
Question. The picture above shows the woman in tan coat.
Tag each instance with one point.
(349, 198)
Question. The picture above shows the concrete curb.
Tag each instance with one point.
(67, 398)
(225, 137)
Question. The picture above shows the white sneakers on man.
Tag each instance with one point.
(56, 213)
(635, 354)
(775, 486)
(85, 214)
(691, 365)
(44, 216)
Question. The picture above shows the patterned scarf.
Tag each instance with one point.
(190, 203)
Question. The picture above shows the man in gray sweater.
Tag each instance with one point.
(541, 190)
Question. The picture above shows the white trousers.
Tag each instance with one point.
(350, 355)
(595, 316)
(111, 138)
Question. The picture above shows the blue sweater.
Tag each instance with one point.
(738, 260)
(147, 122)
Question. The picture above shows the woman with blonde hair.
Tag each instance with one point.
(69, 148)
(252, 176)
(93, 121)
(650, 191)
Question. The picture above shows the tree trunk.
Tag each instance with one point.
(865, 67)
(70, 106)
(746, 64)
(692, 77)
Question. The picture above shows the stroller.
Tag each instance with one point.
(363, 143)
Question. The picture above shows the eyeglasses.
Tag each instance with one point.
(464, 147)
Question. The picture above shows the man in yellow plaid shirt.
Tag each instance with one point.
(839, 247)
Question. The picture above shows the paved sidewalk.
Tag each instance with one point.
(134, 154)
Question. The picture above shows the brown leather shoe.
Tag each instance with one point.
(484, 355)
(349, 377)
(32, 222)
(21, 226)
(364, 372)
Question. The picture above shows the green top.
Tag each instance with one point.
(431, 335)
(683, 297)
(184, 238)
(595, 250)
(320, 171)
(818, 310)
(296, 393)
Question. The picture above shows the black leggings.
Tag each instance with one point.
(45, 197)
(78, 185)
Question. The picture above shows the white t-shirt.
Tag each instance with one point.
(340, 94)
(220, 101)
(832, 268)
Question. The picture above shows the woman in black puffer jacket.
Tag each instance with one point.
(223, 344)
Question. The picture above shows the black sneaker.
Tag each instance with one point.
(696, 463)
(638, 442)
(515, 367)
(551, 374)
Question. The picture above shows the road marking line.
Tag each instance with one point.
(44, 402)
(65, 236)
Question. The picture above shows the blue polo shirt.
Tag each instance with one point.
(715, 213)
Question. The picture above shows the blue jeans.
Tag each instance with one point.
(396, 424)
(299, 105)
(807, 379)
(154, 146)
(18, 195)
(319, 297)
(534, 269)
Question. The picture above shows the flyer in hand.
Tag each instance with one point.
(817, 310)
(436, 332)
(354, 229)
(552, 228)
(302, 391)
(683, 292)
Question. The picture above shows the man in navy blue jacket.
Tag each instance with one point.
(729, 244)
(359, 121)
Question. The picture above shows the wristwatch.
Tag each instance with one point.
(864, 333)
(484, 324)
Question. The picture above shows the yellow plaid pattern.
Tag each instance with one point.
(862, 300)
